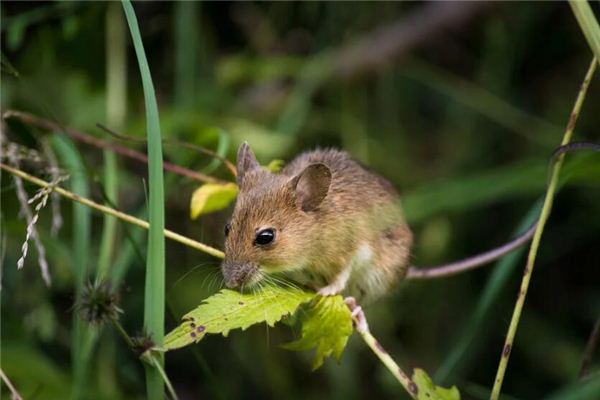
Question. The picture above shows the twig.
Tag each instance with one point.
(173, 142)
(362, 327)
(512, 330)
(13, 392)
(588, 353)
(43, 123)
(111, 211)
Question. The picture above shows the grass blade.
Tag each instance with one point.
(589, 25)
(154, 295)
(116, 106)
(78, 183)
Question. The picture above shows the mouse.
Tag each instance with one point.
(328, 223)
(324, 221)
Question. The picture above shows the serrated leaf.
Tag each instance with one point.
(212, 197)
(229, 310)
(427, 390)
(326, 326)
(275, 166)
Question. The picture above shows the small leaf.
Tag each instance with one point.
(428, 391)
(275, 166)
(229, 310)
(326, 325)
(212, 197)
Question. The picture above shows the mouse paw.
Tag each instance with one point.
(358, 316)
(330, 290)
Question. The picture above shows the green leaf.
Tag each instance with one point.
(212, 197)
(275, 166)
(428, 391)
(326, 325)
(229, 310)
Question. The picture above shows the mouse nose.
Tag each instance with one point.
(237, 272)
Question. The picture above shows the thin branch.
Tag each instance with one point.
(590, 348)
(512, 330)
(111, 211)
(43, 123)
(362, 327)
(13, 392)
(228, 164)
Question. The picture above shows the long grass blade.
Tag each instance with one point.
(154, 295)
(116, 106)
(588, 23)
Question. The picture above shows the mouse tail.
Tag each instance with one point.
(469, 263)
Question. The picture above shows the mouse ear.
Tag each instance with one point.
(246, 162)
(311, 186)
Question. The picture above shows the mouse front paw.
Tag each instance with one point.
(330, 290)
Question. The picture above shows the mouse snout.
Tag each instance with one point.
(237, 273)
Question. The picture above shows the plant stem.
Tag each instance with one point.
(362, 327)
(157, 364)
(13, 392)
(389, 362)
(546, 208)
(111, 211)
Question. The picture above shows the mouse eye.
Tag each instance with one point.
(264, 237)
(227, 229)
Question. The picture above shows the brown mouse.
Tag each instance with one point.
(324, 220)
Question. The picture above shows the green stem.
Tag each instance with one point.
(546, 208)
(158, 365)
(388, 361)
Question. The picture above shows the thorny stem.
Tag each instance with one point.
(13, 392)
(43, 123)
(111, 211)
(547, 206)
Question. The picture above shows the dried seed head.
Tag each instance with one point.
(98, 303)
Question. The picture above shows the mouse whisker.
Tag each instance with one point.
(193, 269)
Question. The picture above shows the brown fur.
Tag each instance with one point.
(328, 212)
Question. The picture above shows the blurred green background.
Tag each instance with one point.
(459, 105)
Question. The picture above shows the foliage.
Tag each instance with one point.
(211, 197)
(229, 310)
(326, 326)
(429, 391)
